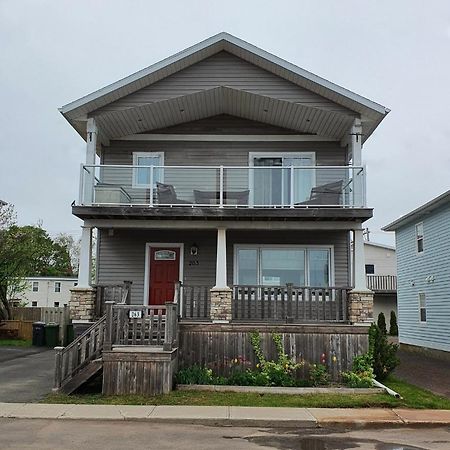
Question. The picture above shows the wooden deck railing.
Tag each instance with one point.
(78, 354)
(382, 283)
(195, 301)
(289, 304)
(141, 325)
(117, 293)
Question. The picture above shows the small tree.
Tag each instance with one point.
(393, 327)
(381, 322)
(384, 355)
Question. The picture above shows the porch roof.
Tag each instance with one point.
(77, 112)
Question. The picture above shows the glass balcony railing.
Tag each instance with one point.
(222, 186)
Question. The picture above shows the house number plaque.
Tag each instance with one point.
(135, 314)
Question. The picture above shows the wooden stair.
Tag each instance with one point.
(84, 375)
(81, 359)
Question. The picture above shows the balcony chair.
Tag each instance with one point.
(213, 197)
(167, 195)
(326, 194)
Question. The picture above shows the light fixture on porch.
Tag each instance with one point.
(194, 249)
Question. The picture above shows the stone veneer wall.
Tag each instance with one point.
(82, 304)
(221, 305)
(360, 307)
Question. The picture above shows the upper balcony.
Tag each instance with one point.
(286, 190)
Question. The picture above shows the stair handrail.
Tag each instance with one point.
(66, 366)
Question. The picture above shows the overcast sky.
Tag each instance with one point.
(396, 53)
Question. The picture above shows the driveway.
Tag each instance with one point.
(425, 371)
(26, 374)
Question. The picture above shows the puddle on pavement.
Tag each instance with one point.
(287, 441)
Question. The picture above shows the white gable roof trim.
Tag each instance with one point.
(78, 109)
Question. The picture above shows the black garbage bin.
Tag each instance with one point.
(39, 334)
(52, 335)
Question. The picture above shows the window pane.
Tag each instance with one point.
(370, 269)
(423, 315)
(319, 263)
(143, 175)
(420, 245)
(247, 267)
(279, 267)
(419, 229)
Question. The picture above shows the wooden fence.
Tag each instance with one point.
(20, 329)
(42, 314)
(289, 304)
(195, 301)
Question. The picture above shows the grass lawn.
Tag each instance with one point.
(414, 397)
(14, 343)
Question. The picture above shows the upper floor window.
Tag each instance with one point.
(35, 286)
(419, 237)
(422, 307)
(34, 304)
(57, 286)
(370, 269)
(142, 176)
(56, 304)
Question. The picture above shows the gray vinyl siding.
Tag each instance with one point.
(223, 69)
(122, 255)
(413, 269)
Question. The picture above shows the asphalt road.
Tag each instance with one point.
(26, 374)
(75, 434)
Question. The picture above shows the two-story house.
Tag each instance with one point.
(236, 173)
(423, 270)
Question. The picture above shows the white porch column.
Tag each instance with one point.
(85, 264)
(221, 260)
(359, 273)
(91, 146)
(355, 148)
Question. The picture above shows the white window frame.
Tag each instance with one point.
(54, 287)
(238, 247)
(422, 307)
(274, 154)
(33, 283)
(417, 238)
(136, 156)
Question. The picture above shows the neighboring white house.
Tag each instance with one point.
(381, 274)
(48, 291)
(423, 264)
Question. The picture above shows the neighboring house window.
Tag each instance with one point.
(419, 237)
(57, 286)
(422, 307)
(33, 303)
(272, 182)
(35, 286)
(141, 176)
(370, 269)
(56, 304)
(277, 266)
(75, 284)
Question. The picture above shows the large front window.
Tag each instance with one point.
(277, 266)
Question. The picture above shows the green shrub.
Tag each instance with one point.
(393, 327)
(361, 374)
(277, 373)
(384, 355)
(195, 375)
(381, 322)
(319, 375)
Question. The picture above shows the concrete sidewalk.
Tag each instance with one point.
(230, 415)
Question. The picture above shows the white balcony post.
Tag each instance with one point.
(151, 186)
(85, 265)
(292, 184)
(359, 275)
(355, 147)
(91, 146)
(221, 178)
(221, 260)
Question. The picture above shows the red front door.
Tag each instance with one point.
(164, 272)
